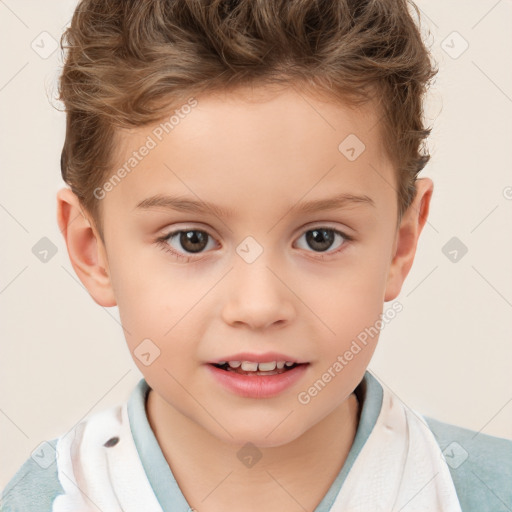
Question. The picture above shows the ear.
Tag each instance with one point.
(85, 248)
(407, 237)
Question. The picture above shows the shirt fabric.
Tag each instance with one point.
(480, 465)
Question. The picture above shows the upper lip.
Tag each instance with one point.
(258, 358)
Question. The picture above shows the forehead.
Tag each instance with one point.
(285, 144)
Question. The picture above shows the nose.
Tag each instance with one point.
(256, 297)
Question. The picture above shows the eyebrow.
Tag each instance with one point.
(182, 203)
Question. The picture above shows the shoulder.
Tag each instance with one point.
(480, 466)
(35, 485)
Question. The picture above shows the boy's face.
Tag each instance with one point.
(268, 275)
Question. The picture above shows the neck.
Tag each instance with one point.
(297, 473)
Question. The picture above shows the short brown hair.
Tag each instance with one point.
(129, 61)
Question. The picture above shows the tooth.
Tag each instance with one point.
(248, 366)
(280, 364)
(267, 367)
(221, 362)
(234, 364)
(289, 363)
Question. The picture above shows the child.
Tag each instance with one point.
(283, 138)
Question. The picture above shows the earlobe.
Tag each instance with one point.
(407, 238)
(85, 248)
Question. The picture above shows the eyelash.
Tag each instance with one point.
(162, 243)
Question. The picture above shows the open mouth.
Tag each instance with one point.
(255, 369)
(254, 379)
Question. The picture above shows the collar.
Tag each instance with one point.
(368, 392)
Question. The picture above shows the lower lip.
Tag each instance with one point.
(258, 386)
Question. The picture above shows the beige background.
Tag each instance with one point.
(448, 354)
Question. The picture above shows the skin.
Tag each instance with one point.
(259, 152)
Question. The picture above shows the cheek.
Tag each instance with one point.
(354, 296)
(143, 300)
(351, 306)
(159, 305)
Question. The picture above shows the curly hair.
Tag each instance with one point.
(129, 61)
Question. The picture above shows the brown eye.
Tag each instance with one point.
(193, 240)
(187, 244)
(322, 239)
(190, 241)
